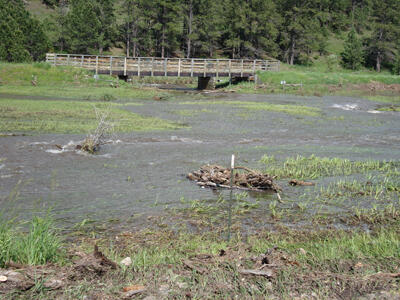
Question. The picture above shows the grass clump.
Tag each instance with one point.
(40, 245)
(265, 106)
(312, 167)
(44, 116)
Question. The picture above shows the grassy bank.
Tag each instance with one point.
(41, 79)
(320, 81)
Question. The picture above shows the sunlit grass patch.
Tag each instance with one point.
(70, 117)
(264, 106)
(312, 167)
(68, 82)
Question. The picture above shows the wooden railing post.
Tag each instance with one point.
(152, 67)
(179, 67)
(82, 58)
(254, 67)
(205, 67)
(68, 57)
(217, 68)
(241, 72)
(165, 66)
(230, 68)
(111, 63)
(139, 66)
(55, 59)
(125, 66)
(97, 65)
(192, 67)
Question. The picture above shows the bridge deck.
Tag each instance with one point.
(151, 66)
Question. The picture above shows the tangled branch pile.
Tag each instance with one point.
(94, 140)
(217, 176)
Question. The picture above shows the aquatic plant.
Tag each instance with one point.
(312, 167)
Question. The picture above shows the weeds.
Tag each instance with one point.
(40, 245)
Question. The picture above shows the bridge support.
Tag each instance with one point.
(206, 83)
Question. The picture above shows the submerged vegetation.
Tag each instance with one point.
(262, 106)
(47, 116)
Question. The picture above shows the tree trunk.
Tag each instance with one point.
(190, 29)
(378, 62)
(292, 49)
(127, 40)
(162, 43)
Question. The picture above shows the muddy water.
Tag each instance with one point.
(142, 174)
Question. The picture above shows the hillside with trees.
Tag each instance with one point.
(293, 31)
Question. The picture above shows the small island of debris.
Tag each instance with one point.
(216, 176)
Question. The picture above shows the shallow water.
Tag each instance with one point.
(140, 174)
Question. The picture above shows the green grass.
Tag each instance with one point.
(313, 167)
(260, 106)
(40, 245)
(44, 116)
(313, 77)
(68, 82)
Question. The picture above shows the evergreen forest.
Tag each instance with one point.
(293, 31)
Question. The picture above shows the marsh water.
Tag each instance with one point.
(142, 174)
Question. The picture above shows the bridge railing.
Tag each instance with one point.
(151, 66)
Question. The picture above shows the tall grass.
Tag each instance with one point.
(312, 167)
(40, 245)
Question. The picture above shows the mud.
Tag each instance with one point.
(143, 173)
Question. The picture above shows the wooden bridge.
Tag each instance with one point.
(205, 69)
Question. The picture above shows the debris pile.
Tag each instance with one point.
(217, 176)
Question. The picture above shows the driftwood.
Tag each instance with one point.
(215, 176)
(294, 182)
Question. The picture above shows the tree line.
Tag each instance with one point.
(293, 31)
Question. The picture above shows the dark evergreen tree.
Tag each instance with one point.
(21, 36)
(90, 25)
(202, 28)
(353, 54)
(385, 23)
(300, 33)
(167, 27)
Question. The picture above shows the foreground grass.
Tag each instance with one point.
(330, 264)
(263, 106)
(40, 245)
(44, 116)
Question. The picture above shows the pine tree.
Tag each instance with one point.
(300, 33)
(353, 55)
(21, 36)
(168, 25)
(381, 46)
(90, 25)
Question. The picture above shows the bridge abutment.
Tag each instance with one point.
(206, 83)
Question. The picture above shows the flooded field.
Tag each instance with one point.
(141, 175)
